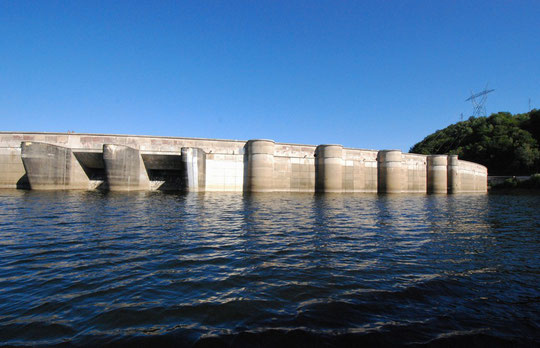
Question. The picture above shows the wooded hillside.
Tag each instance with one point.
(507, 144)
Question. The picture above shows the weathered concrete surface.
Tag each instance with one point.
(437, 174)
(260, 165)
(360, 170)
(390, 171)
(194, 169)
(329, 168)
(124, 168)
(472, 177)
(453, 174)
(231, 165)
(51, 167)
(414, 173)
(12, 172)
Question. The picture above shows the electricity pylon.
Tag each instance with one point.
(478, 101)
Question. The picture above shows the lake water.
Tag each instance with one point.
(217, 269)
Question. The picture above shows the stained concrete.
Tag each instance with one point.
(194, 169)
(453, 174)
(52, 167)
(329, 169)
(437, 174)
(390, 171)
(125, 168)
(260, 165)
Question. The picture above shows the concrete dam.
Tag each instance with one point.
(68, 161)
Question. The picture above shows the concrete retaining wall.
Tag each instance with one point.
(124, 162)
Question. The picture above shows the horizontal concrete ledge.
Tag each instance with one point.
(329, 151)
(474, 164)
(119, 135)
(172, 137)
(268, 140)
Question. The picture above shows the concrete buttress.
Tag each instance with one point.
(124, 168)
(52, 167)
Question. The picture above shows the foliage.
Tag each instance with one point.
(532, 183)
(507, 144)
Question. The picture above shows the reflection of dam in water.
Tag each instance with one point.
(56, 161)
(108, 268)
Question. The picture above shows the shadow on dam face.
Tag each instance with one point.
(164, 172)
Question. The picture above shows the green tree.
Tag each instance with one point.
(507, 144)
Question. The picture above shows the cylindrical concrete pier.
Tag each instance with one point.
(260, 165)
(437, 174)
(124, 168)
(453, 174)
(389, 171)
(193, 169)
(329, 175)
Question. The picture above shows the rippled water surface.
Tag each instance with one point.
(268, 270)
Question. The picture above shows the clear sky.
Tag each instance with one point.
(378, 75)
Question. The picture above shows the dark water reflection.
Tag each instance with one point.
(264, 270)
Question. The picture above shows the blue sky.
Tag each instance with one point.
(379, 75)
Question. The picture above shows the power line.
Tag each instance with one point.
(478, 101)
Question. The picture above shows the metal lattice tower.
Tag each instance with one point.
(478, 101)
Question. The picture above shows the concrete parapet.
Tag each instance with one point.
(389, 171)
(52, 167)
(124, 168)
(194, 169)
(260, 165)
(437, 174)
(329, 168)
(453, 174)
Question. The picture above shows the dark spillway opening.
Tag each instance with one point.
(92, 164)
(166, 180)
(94, 168)
(166, 172)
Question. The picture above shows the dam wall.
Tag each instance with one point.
(55, 161)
